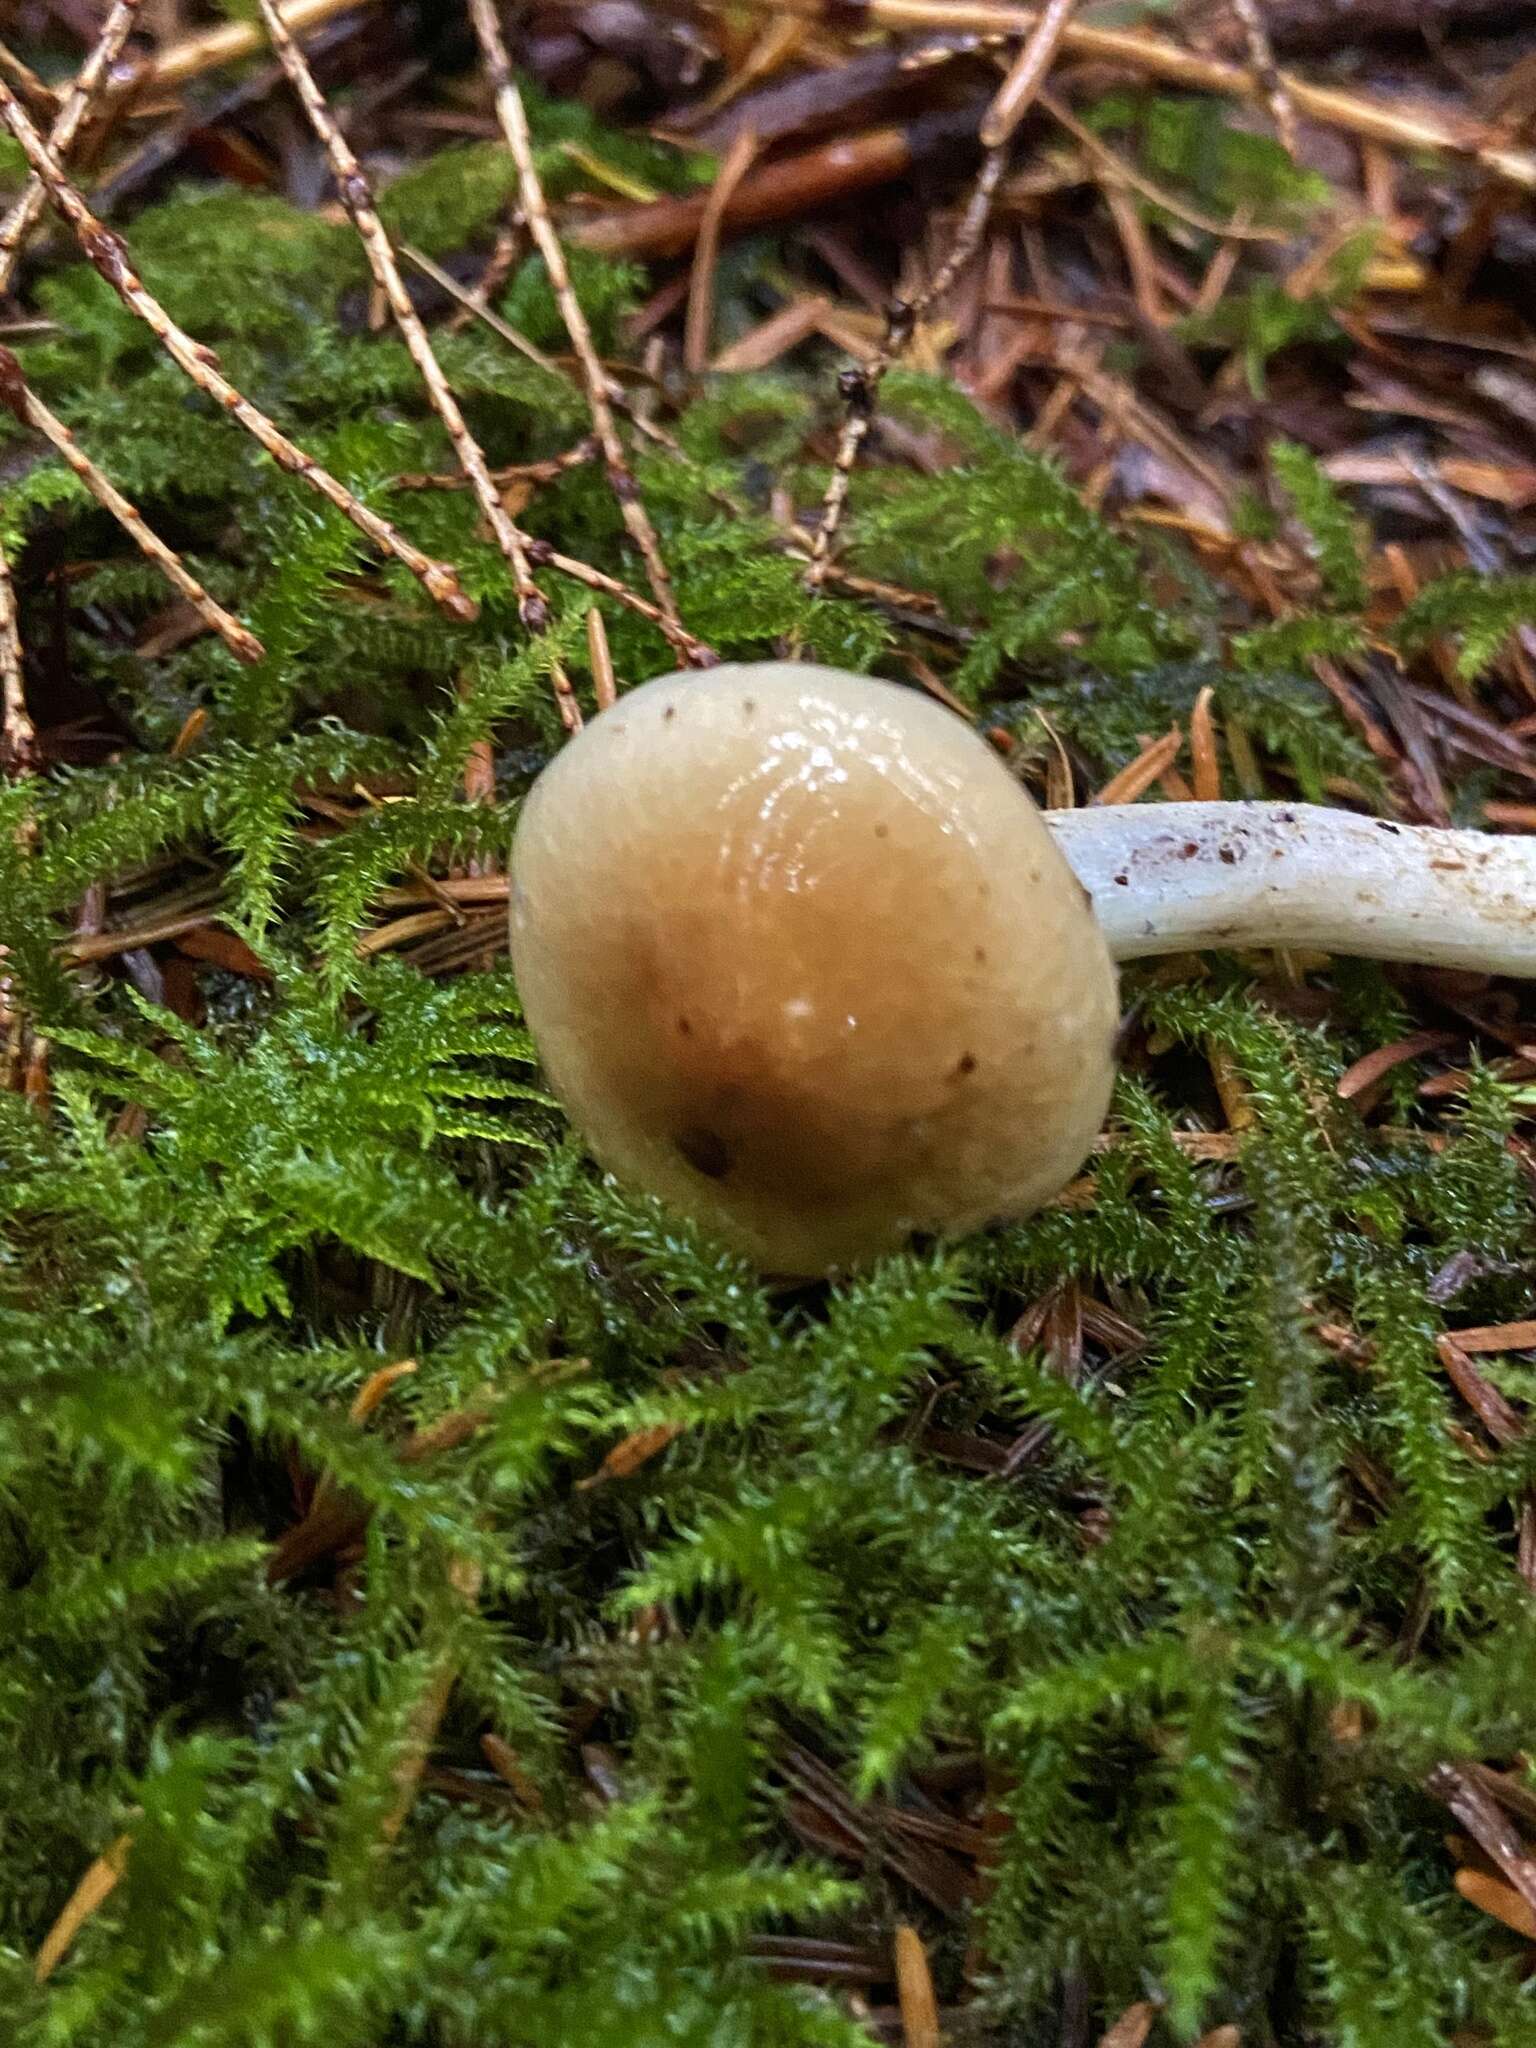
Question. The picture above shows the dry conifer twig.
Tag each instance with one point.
(1026, 74)
(18, 397)
(18, 735)
(860, 385)
(1261, 57)
(513, 117)
(79, 101)
(109, 253)
(1158, 57)
(357, 196)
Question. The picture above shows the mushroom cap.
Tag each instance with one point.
(801, 959)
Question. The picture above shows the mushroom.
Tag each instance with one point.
(804, 960)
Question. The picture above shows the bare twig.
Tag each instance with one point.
(1262, 57)
(109, 253)
(93, 76)
(860, 385)
(18, 397)
(357, 197)
(18, 735)
(547, 471)
(469, 304)
(227, 45)
(514, 127)
(1157, 57)
(1026, 74)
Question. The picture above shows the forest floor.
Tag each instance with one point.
(445, 1600)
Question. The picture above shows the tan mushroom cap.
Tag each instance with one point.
(801, 959)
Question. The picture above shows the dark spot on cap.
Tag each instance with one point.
(1384, 825)
(1227, 856)
(966, 1064)
(981, 956)
(748, 706)
(705, 1151)
(670, 712)
(882, 831)
(685, 1027)
(1122, 881)
(1189, 849)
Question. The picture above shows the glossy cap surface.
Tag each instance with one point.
(801, 959)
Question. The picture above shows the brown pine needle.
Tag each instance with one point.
(109, 254)
(1026, 74)
(604, 684)
(18, 735)
(513, 117)
(79, 101)
(88, 1897)
(18, 397)
(1205, 768)
(914, 1990)
(861, 386)
(1138, 776)
(700, 321)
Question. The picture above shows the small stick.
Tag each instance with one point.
(860, 386)
(1026, 74)
(18, 397)
(78, 103)
(546, 471)
(18, 735)
(357, 196)
(219, 46)
(513, 117)
(1158, 57)
(109, 253)
(1261, 56)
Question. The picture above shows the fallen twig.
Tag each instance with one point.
(514, 127)
(1157, 57)
(218, 46)
(1026, 74)
(109, 254)
(18, 397)
(860, 385)
(1261, 57)
(357, 196)
(93, 76)
(18, 735)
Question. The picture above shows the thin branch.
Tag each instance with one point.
(1026, 74)
(1157, 57)
(18, 735)
(1262, 58)
(109, 253)
(93, 77)
(547, 471)
(860, 386)
(227, 45)
(470, 306)
(357, 196)
(18, 397)
(514, 126)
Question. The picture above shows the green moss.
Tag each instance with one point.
(1206, 1666)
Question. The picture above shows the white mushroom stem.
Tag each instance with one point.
(1170, 878)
